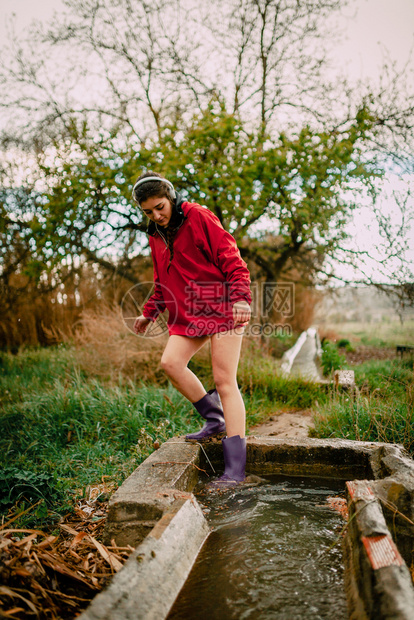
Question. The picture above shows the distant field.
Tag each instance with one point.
(376, 334)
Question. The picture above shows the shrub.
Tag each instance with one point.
(331, 358)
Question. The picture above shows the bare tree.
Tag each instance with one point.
(275, 52)
(387, 266)
(121, 64)
(392, 103)
(136, 64)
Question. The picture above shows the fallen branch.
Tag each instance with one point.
(20, 515)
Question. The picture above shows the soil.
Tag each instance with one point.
(365, 353)
(285, 424)
(296, 423)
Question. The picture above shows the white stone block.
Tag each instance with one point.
(344, 378)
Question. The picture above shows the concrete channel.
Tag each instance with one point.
(155, 511)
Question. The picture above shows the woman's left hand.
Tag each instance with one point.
(241, 313)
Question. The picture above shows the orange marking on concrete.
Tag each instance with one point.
(382, 551)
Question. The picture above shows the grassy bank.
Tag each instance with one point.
(381, 410)
(62, 429)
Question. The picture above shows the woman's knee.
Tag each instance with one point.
(225, 385)
(172, 367)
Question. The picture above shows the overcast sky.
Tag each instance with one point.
(370, 27)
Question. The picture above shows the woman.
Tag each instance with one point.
(202, 280)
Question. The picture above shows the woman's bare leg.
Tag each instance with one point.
(174, 360)
(225, 354)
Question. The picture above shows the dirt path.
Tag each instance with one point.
(285, 425)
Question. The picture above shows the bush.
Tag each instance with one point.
(331, 358)
(342, 343)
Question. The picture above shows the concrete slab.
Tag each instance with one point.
(378, 582)
(302, 359)
(395, 490)
(150, 490)
(148, 584)
(344, 378)
(339, 458)
(155, 507)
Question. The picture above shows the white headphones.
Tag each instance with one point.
(144, 180)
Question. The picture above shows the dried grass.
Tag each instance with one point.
(107, 348)
(35, 321)
(306, 300)
(43, 314)
(53, 576)
(327, 333)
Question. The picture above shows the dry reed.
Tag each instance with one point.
(107, 348)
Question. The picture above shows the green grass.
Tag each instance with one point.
(390, 379)
(62, 430)
(383, 410)
(260, 381)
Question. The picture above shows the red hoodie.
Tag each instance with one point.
(206, 276)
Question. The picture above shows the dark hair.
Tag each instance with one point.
(171, 232)
(151, 188)
(161, 190)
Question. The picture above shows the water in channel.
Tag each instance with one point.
(268, 555)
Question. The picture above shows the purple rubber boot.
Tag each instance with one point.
(209, 407)
(234, 452)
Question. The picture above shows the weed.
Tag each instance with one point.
(381, 410)
(331, 358)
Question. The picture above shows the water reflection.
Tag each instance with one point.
(267, 555)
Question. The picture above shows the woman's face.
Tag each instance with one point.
(158, 209)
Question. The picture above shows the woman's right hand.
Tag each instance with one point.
(141, 324)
